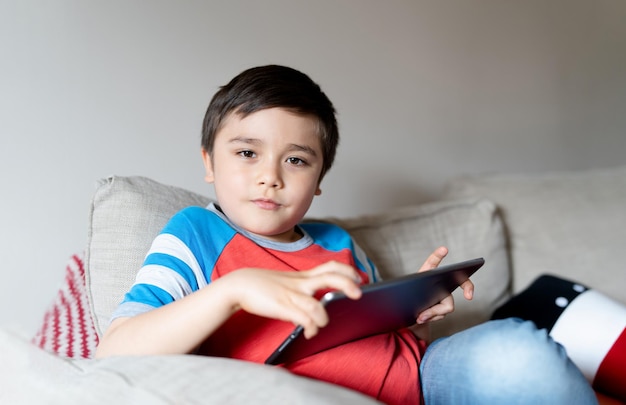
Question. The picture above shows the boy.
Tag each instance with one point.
(232, 279)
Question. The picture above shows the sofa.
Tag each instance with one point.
(568, 224)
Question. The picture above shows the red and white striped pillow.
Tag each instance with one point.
(68, 329)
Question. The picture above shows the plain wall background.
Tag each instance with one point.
(425, 90)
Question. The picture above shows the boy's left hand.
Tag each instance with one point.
(446, 306)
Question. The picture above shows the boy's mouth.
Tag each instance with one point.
(266, 204)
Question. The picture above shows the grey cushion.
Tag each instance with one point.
(399, 242)
(570, 224)
(128, 212)
(126, 215)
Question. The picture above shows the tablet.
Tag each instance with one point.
(383, 307)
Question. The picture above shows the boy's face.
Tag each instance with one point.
(266, 170)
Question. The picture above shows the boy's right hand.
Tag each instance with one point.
(184, 324)
(288, 296)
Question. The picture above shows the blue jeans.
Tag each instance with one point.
(507, 361)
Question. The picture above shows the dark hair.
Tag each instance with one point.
(273, 86)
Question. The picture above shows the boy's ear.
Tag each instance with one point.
(208, 167)
(318, 191)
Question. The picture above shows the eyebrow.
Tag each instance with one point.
(241, 139)
(292, 147)
(303, 148)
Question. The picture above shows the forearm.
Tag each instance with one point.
(183, 325)
(175, 328)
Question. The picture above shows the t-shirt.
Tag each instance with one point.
(199, 245)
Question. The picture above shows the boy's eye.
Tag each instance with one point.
(246, 153)
(296, 161)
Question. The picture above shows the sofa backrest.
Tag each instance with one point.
(570, 224)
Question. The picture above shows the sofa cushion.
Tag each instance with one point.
(33, 376)
(125, 216)
(128, 212)
(570, 224)
(67, 328)
(399, 241)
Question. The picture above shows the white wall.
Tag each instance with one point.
(426, 90)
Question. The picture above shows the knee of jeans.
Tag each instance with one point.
(505, 361)
(520, 355)
(508, 345)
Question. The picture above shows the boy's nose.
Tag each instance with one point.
(270, 176)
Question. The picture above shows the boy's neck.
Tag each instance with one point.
(297, 233)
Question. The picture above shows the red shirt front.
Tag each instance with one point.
(384, 366)
(200, 245)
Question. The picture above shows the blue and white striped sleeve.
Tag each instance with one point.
(172, 268)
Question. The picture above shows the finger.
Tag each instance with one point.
(437, 311)
(299, 309)
(337, 267)
(333, 281)
(468, 289)
(311, 313)
(434, 259)
(344, 279)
